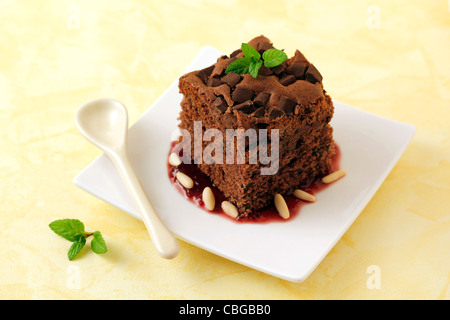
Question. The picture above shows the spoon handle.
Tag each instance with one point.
(162, 238)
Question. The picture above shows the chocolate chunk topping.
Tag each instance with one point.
(259, 113)
(287, 80)
(275, 113)
(261, 99)
(232, 59)
(219, 104)
(241, 94)
(298, 69)
(313, 75)
(279, 69)
(205, 73)
(264, 71)
(263, 46)
(235, 53)
(275, 93)
(213, 82)
(232, 79)
(286, 104)
(245, 107)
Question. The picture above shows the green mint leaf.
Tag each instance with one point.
(273, 57)
(253, 68)
(69, 229)
(249, 51)
(98, 244)
(73, 230)
(239, 66)
(76, 247)
(251, 62)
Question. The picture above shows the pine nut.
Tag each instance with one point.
(303, 195)
(334, 176)
(208, 198)
(185, 180)
(281, 206)
(174, 160)
(230, 209)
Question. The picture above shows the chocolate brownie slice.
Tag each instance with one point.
(289, 97)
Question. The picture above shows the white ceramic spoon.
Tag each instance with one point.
(104, 122)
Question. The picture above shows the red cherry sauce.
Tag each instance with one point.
(265, 215)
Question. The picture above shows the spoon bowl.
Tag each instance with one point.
(104, 122)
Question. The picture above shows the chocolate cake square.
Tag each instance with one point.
(282, 116)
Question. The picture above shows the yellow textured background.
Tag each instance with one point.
(389, 58)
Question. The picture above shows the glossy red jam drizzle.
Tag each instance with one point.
(268, 214)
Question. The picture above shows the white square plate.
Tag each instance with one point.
(370, 146)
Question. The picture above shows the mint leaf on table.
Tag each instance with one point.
(273, 57)
(98, 244)
(73, 230)
(76, 247)
(251, 61)
(67, 228)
